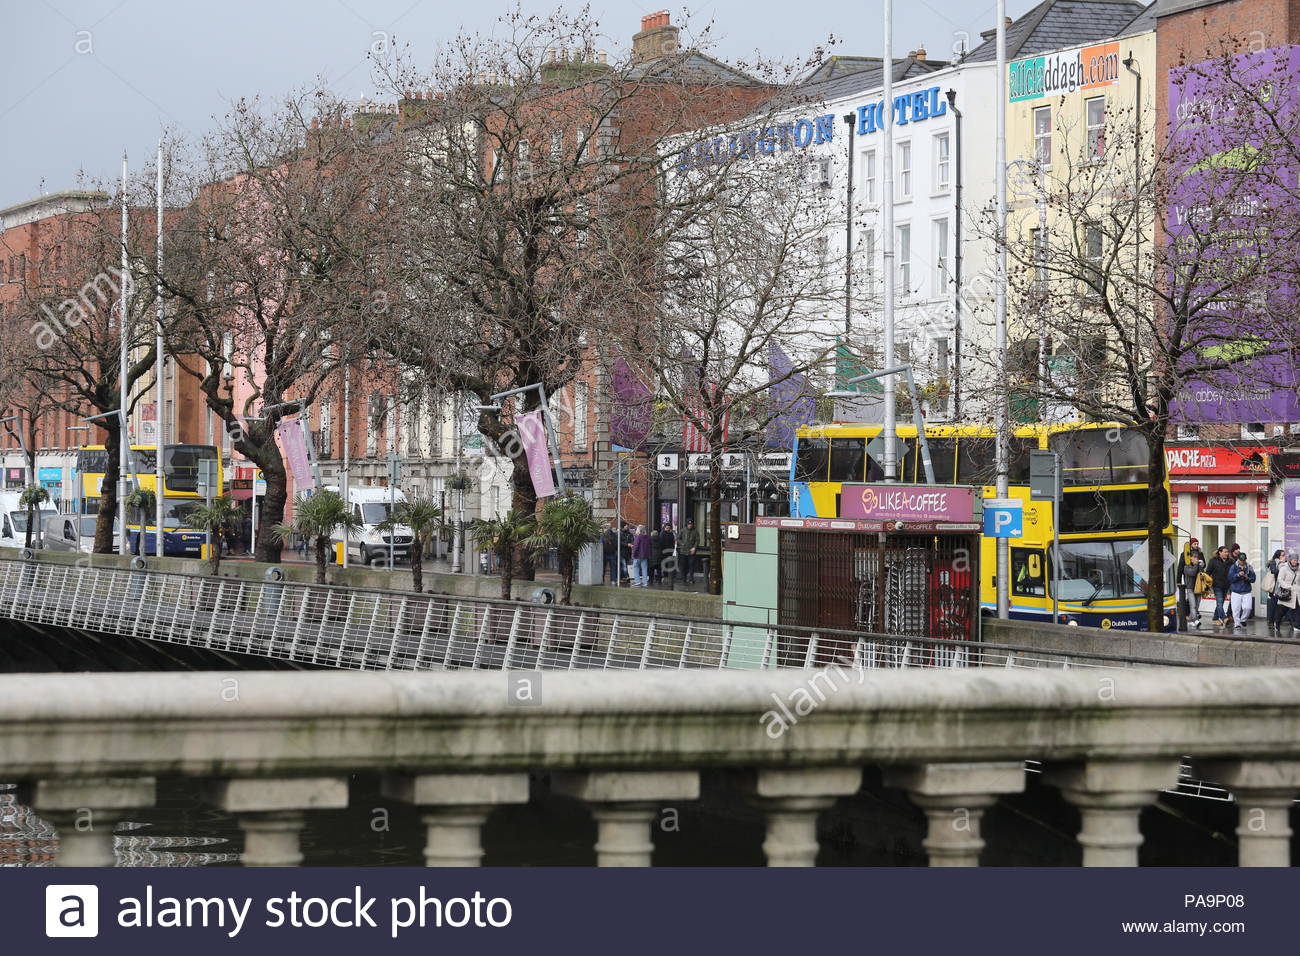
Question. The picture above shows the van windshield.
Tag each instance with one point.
(373, 512)
(19, 519)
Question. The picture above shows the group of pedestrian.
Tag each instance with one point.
(1229, 578)
(639, 557)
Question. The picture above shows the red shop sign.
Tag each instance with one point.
(1216, 506)
(1261, 505)
(1218, 460)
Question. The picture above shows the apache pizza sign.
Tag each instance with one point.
(1217, 460)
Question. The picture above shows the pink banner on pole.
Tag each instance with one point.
(532, 435)
(294, 444)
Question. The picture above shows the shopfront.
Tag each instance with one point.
(1221, 495)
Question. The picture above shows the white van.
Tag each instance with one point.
(73, 533)
(367, 543)
(13, 521)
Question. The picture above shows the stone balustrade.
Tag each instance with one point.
(272, 748)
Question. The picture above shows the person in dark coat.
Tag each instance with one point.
(1275, 611)
(640, 558)
(1192, 567)
(656, 558)
(1218, 570)
(687, 546)
(668, 560)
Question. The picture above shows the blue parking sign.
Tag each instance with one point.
(1004, 518)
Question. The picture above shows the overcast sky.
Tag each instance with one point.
(85, 79)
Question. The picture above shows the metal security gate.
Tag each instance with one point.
(909, 585)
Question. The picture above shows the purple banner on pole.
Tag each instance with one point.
(889, 502)
(792, 397)
(294, 445)
(1291, 515)
(632, 407)
(1228, 204)
(532, 435)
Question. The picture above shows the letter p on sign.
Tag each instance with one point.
(1004, 518)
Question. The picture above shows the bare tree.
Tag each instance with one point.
(1163, 284)
(750, 304)
(71, 338)
(531, 220)
(272, 269)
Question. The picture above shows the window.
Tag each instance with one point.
(903, 188)
(869, 191)
(557, 144)
(580, 416)
(1027, 572)
(942, 163)
(1043, 136)
(1095, 117)
(822, 247)
(326, 429)
(525, 160)
(848, 459)
(1093, 248)
(811, 459)
(1097, 456)
(1253, 430)
(940, 258)
(1040, 259)
(580, 137)
(903, 251)
(870, 273)
(376, 418)
(1099, 570)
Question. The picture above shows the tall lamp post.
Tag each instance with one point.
(887, 242)
(956, 254)
(1003, 444)
(850, 120)
(917, 418)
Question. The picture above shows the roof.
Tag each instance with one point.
(844, 76)
(1060, 24)
(691, 63)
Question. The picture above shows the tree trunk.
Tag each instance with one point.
(417, 565)
(1157, 517)
(524, 499)
(322, 549)
(506, 557)
(566, 579)
(107, 516)
(273, 505)
(715, 521)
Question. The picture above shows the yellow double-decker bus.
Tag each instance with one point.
(181, 471)
(1103, 511)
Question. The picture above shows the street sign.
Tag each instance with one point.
(1044, 476)
(207, 478)
(394, 469)
(1004, 518)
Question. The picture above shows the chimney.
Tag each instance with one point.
(919, 54)
(658, 37)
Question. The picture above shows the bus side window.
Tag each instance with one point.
(848, 459)
(1027, 567)
(811, 460)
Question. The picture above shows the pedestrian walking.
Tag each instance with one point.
(626, 535)
(1241, 578)
(687, 546)
(1217, 569)
(1270, 588)
(1193, 568)
(668, 552)
(1288, 591)
(656, 558)
(609, 551)
(640, 558)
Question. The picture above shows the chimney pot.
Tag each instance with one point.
(1008, 21)
(920, 53)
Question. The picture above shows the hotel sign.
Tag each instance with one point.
(1053, 74)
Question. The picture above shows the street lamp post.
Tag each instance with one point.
(956, 254)
(72, 494)
(1003, 444)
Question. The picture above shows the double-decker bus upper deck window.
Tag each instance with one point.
(1114, 510)
(181, 464)
(812, 458)
(1101, 456)
(943, 455)
(975, 460)
(848, 459)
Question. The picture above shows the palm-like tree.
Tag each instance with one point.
(215, 519)
(32, 497)
(317, 517)
(567, 525)
(424, 518)
(502, 536)
(143, 503)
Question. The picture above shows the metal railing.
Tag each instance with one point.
(369, 629)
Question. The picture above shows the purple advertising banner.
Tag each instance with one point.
(1208, 134)
(532, 435)
(294, 444)
(1291, 515)
(907, 503)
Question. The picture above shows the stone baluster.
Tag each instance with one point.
(624, 804)
(86, 810)
(1265, 790)
(271, 812)
(954, 797)
(456, 805)
(1110, 795)
(792, 799)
